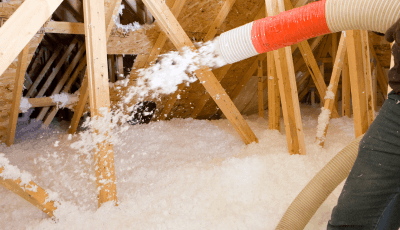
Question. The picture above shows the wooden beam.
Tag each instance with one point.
(31, 192)
(206, 97)
(43, 72)
(274, 100)
(312, 66)
(64, 27)
(120, 67)
(357, 81)
(84, 90)
(96, 54)
(111, 68)
(383, 83)
(219, 74)
(61, 83)
(337, 69)
(17, 93)
(223, 13)
(177, 35)
(72, 10)
(28, 18)
(346, 93)
(260, 90)
(367, 75)
(288, 89)
(56, 69)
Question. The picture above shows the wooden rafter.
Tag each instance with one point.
(260, 88)
(17, 93)
(368, 78)
(57, 68)
(220, 74)
(337, 69)
(274, 100)
(27, 28)
(357, 81)
(61, 83)
(84, 90)
(37, 196)
(288, 90)
(383, 83)
(223, 13)
(43, 72)
(96, 54)
(177, 35)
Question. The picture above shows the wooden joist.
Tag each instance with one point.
(383, 83)
(96, 54)
(219, 74)
(43, 72)
(12, 40)
(66, 89)
(112, 10)
(357, 81)
(367, 76)
(274, 100)
(17, 93)
(223, 13)
(260, 87)
(31, 192)
(288, 90)
(177, 35)
(337, 69)
(57, 68)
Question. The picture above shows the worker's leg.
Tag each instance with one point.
(370, 197)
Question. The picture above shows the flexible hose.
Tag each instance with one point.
(299, 24)
(318, 189)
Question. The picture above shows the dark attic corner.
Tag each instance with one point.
(199, 114)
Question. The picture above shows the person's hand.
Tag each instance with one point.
(393, 33)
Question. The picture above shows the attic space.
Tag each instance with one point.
(181, 114)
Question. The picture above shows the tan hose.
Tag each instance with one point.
(375, 15)
(318, 189)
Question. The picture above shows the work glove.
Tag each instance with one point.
(393, 35)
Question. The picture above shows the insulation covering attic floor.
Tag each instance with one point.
(177, 174)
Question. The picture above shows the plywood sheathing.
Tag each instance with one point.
(8, 78)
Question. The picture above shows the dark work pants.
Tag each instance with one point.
(370, 197)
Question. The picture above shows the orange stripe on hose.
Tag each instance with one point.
(289, 27)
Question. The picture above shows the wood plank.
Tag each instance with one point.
(28, 18)
(84, 90)
(367, 75)
(206, 97)
(337, 69)
(346, 93)
(223, 13)
(46, 101)
(57, 68)
(17, 93)
(288, 90)
(177, 35)
(36, 197)
(219, 74)
(383, 83)
(61, 83)
(357, 81)
(64, 27)
(43, 72)
(260, 87)
(96, 54)
(274, 100)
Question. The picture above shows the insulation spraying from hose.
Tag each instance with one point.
(299, 24)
